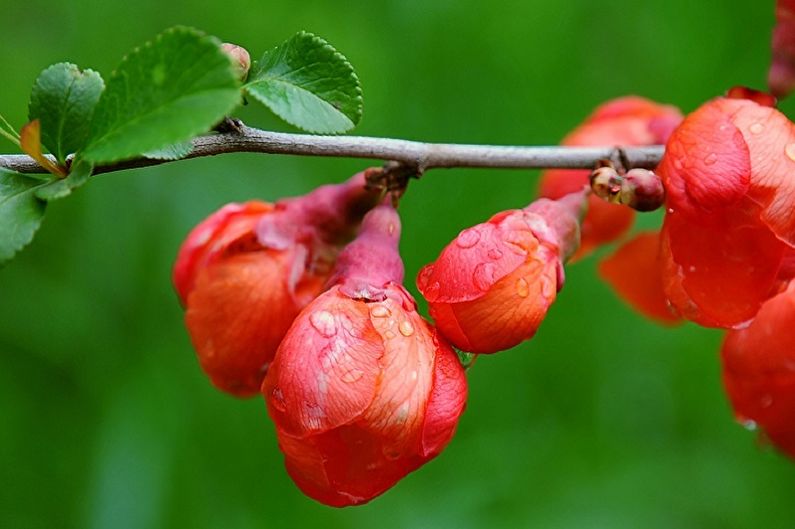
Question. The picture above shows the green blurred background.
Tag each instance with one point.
(602, 421)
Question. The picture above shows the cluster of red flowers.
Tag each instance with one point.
(303, 300)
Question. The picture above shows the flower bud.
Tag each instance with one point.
(639, 189)
(240, 58)
(759, 371)
(245, 272)
(362, 389)
(623, 121)
(491, 287)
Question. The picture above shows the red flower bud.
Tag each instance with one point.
(362, 389)
(245, 272)
(491, 287)
(759, 371)
(623, 121)
(731, 210)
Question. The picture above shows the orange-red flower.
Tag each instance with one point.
(245, 272)
(634, 271)
(624, 121)
(363, 390)
(490, 288)
(759, 371)
(730, 196)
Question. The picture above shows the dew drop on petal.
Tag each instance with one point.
(711, 158)
(522, 288)
(548, 289)
(494, 253)
(424, 275)
(278, 399)
(789, 150)
(484, 276)
(379, 311)
(352, 376)
(389, 335)
(467, 238)
(678, 164)
(323, 322)
(756, 128)
(406, 328)
(433, 289)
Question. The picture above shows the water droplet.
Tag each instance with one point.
(749, 425)
(424, 276)
(467, 238)
(323, 322)
(379, 311)
(414, 375)
(756, 128)
(766, 400)
(391, 228)
(432, 290)
(389, 335)
(484, 276)
(711, 158)
(522, 288)
(352, 376)
(670, 210)
(278, 399)
(494, 253)
(678, 164)
(391, 453)
(691, 269)
(406, 328)
(789, 150)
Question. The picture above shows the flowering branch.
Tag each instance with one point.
(419, 155)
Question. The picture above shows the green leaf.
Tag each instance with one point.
(309, 84)
(175, 151)
(21, 212)
(61, 187)
(63, 100)
(165, 92)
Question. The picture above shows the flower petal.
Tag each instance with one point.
(635, 272)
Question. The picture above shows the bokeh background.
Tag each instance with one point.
(603, 420)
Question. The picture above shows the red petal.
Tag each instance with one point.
(635, 272)
(478, 258)
(211, 237)
(719, 273)
(706, 165)
(326, 369)
(238, 312)
(759, 370)
(509, 312)
(447, 400)
(770, 137)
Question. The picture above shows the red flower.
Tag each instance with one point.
(634, 271)
(245, 272)
(491, 288)
(623, 121)
(759, 371)
(362, 389)
(728, 172)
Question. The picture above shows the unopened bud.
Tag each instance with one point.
(606, 184)
(761, 98)
(240, 57)
(640, 189)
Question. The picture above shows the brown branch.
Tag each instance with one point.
(419, 155)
